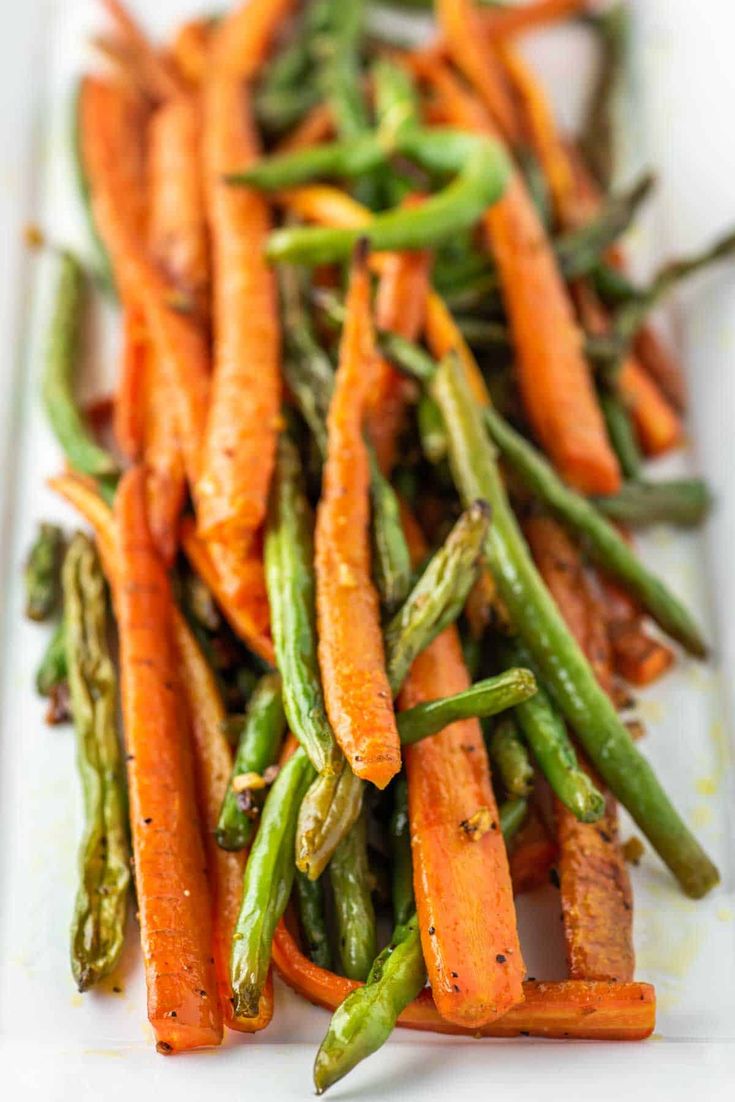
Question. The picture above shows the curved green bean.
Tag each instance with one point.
(509, 758)
(349, 873)
(484, 698)
(289, 573)
(260, 740)
(62, 353)
(560, 661)
(98, 927)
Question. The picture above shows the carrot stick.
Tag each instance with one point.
(129, 415)
(106, 130)
(165, 473)
(213, 760)
(239, 445)
(173, 895)
(190, 48)
(464, 895)
(533, 853)
(554, 377)
(514, 19)
(248, 618)
(658, 426)
(356, 688)
(159, 76)
(638, 657)
(589, 1011)
(463, 31)
(177, 232)
(596, 895)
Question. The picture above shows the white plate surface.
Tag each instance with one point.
(55, 1044)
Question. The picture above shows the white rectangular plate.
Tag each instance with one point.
(57, 1045)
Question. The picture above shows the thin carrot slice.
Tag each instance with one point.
(463, 31)
(213, 761)
(177, 231)
(248, 618)
(356, 689)
(596, 895)
(554, 377)
(239, 446)
(585, 1011)
(129, 415)
(173, 894)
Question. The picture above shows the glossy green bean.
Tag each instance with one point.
(483, 699)
(349, 873)
(560, 661)
(310, 901)
(683, 501)
(289, 573)
(431, 429)
(509, 757)
(328, 812)
(267, 885)
(391, 559)
(98, 927)
(404, 903)
(260, 741)
(42, 574)
(602, 541)
(62, 354)
(512, 817)
(621, 432)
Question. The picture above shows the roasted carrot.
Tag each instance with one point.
(533, 853)
(164, 464)
(658, 426)
(173, 895)
(590, 1011)
(110, 165)
(595, 887)
(464, 895)
(356, 689)
(240, 594)
(129, 415)
(160, 77)
(242, 427)
(553, 375)
(190, 48)
(213, 761)
(637, 656)
(657, 359)
(463, 31)
(177, 232)
(508, 21)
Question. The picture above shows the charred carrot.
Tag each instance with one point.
(173, 895)
(593, 1011)
(356, 689)
(238, 452)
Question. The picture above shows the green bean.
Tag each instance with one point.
(404, 903)
(260, 740)
(512, 817)
(483, 699)
(367, 1017)
(545, 732)
(479, 165)
(279, 110)
(431, 429)
(328, 812)
(396, 101)
(684, 502)
(622, 434)
(267, 885)
(53, 669)
(310, 900)
(391, 559)
(598, 131)
(289, 571)
(612, 285)
(604, 544)
(336, 28)
(62, 354)
(509, 757)
(42, 573)
(98, 927)
(579, 251)
(101, 264)
(563, 666)
(349, 873)
(440, 594)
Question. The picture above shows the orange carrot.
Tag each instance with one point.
(356, 689)
(462, 29)
(514, 19)
(213, 761)
(637, 656)
(180, 347)
(316, 126)
(658, 426)
(596, 896)
(240, 594)
(189, 50)
(173, 895)
(589, 1011)
(160, 77)
(177, 233)
(533, 853)
(464, 895)
(554, 377)
(658, 360)
(165, 473)
(129, 416)
(242, 427)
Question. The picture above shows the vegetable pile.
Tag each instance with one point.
(361, 510)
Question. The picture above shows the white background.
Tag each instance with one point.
(56, 1045)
